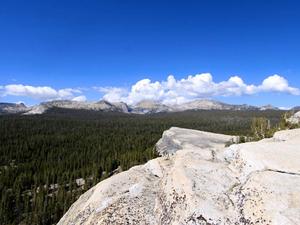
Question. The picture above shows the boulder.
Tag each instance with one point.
(200, 181)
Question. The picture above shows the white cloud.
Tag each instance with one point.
(169, 91)
(284, 108)
(80, 98)
(113, 94)
(277, 83)
(172, 91)
(37, 92)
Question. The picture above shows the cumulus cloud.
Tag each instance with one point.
(277, 83)
(38, 92)
(80, 98)
(169, 91)
(172, 91)
(114, 94)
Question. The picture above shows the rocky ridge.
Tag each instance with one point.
(206, 104)
(12, 108)
(197, 180)
(147, 106)
(142, 107)
(68, 104)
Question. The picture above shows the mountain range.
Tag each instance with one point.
(142, 107)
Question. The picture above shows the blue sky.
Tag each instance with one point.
(65, 49)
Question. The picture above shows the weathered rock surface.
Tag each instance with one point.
(199, 181)
(295, 119)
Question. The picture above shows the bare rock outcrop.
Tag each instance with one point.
(295, 119)
(200, 181)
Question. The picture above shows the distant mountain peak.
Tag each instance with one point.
(145, 106)
(12, 108)
(150, 106)
(101, 105)
(268, 107)
(102, 101)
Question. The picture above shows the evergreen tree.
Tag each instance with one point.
(43, 155)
